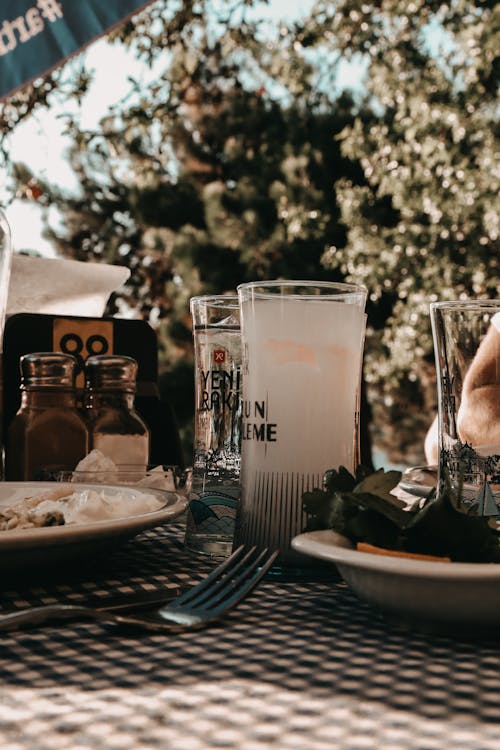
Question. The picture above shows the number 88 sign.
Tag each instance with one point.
(82, 338)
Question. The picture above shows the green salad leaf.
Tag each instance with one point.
(362, 508)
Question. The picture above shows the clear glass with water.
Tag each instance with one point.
(467, 351)
(217, 438)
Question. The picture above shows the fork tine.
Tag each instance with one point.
(196, 596)
(206, 583)
(232, 581)
(208, 603)
(243, 586)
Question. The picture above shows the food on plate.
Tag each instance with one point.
(12, 518)
(96, 468)
(364, 509)
(67, 504)
(95, 464)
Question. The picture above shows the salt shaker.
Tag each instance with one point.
(116, 429)
(48, 434)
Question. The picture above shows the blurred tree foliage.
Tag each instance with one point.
(426, 224)
(242, 161)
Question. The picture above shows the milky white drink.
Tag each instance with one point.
(300, 399)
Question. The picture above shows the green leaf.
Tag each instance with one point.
(340, 480)
(440, 529)
(381, 483)
(365, 511)
(317, 506)
(392, 511)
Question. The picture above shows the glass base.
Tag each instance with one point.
(209, 545)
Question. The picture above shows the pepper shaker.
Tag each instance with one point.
(48, 434)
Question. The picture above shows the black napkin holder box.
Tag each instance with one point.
(82, 337)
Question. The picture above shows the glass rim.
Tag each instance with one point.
(230, 301)
(468, 304)
(336, 288)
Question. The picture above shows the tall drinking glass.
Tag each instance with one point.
(217, 437)
(5, 266)
(302, 355)
(467, 352)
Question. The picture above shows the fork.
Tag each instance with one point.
(209, 600)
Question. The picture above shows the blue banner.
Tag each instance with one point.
(38, 35)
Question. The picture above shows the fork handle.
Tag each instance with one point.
(47, 613)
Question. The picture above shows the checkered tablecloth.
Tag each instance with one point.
(297, 666)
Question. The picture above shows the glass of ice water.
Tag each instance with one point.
(467, 351)
(217, 427)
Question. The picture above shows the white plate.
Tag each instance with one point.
(27, 547)
(456, 595)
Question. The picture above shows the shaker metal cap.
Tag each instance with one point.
(111, 372)
(48, 369)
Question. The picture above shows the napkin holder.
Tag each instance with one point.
(83, 337)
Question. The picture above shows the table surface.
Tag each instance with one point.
(299, 665)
